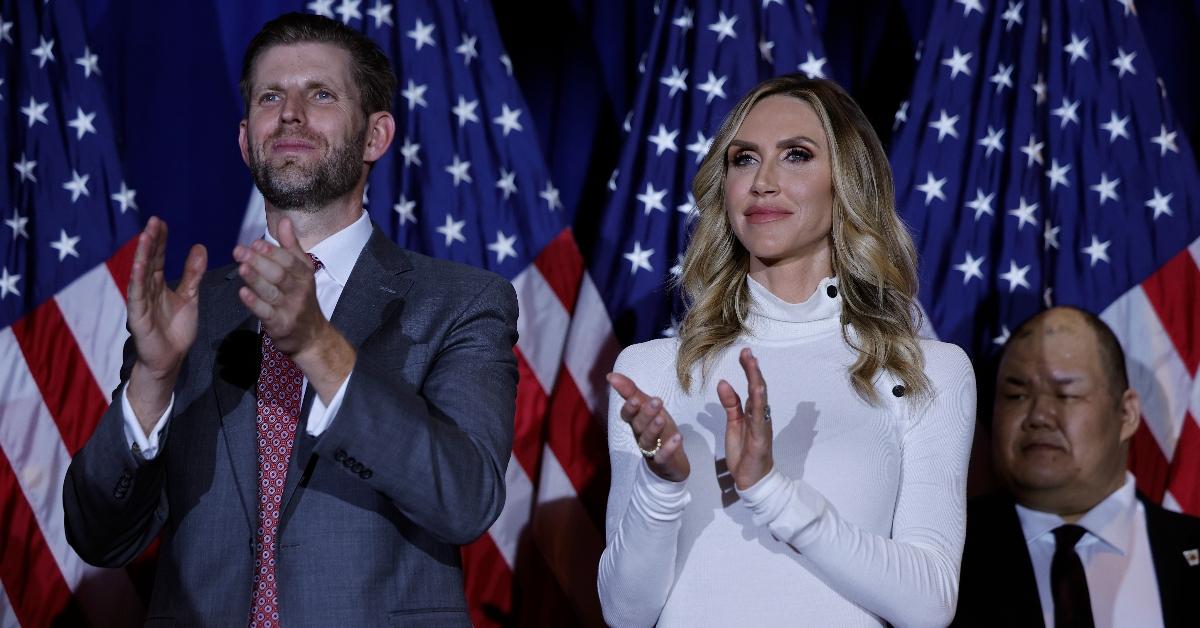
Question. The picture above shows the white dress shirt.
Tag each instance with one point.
(1116, 558)
(338, 254)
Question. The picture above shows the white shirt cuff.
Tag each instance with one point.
(137, 440)
(320, 415)
(659, 499)
(785, 506)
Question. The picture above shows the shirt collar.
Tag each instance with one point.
(1111, 521)
(339, 252)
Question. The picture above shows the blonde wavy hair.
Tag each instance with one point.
(873, 254)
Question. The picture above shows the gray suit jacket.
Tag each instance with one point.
(374, 509)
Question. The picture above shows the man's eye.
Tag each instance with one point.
(266, 98)
(323, 94)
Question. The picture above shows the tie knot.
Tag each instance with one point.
(1066, 536)
(317, 263)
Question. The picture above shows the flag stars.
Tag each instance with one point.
(766, 50)
(813, 66)
(1039, 88)
(1012, 15)
(1165, 141)
(507, 183)
(982, 204)
(970, 268)
(465, 111)
(945, 126)
(1033, 151)
(700, 146)
(422, 35)
(1024, 213)
(77, 186)
(1002, 339)
(1015, 276)
(1050, 236)
(381, 13)
(25, 169)
(126, 197)
(1058, 175)
(1106, 189)
(506, 61)
(452, 230)
(508, 119)
(460, 170)
(1129, 8)
(686, 21)
(44, 51)
(612, 179)
(664, 140)
(504, 247)
(993, 141)
(406, 210)
(714, 87)
(1077, 48)
(1116, 127)
(639, 258)
(1124, 63)
(321, 7)
(1066, 113)
(723, 27)
(970, 5)
(90, 62)
(901, 115)
(411, 152)
(1097, 251)
(415, 95)
(6, 30)
(35, 111)
(8, 283)
(652, 199)
(1002, 78)
(1160, 204)
(348, 10)
(467, 49)
(677, 82)
(932, 188)
(65, 245)
(550, 195)
(82, 123)
(957, 62)
(18, 223)
(689, 207)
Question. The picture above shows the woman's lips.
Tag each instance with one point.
(759, 215)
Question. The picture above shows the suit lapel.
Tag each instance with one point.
(1168, 559)
(235, 376)
(377, 285)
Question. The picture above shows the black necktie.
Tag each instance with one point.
(1068, 583)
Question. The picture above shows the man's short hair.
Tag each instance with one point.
(1112, 355)
(370, 67)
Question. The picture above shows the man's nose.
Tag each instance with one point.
(293, 110)
(1043, 411)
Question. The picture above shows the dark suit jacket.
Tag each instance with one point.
(375, 508)
(998, 587)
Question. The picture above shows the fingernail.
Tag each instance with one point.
(655, 404)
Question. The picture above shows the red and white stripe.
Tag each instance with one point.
(1158, 324)
(60, 362)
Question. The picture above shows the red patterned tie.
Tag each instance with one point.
(279, 384)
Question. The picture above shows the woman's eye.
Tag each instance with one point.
(797, 154)
(742, 159)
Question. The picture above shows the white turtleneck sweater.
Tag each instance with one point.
(860, 522)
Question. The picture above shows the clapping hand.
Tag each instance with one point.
(748, 432)
(654, 430)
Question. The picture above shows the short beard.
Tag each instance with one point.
(309, 189)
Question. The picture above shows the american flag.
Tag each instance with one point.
(1039, 164)
(703, 57)
(65, 254)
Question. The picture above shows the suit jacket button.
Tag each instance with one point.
(339, 455)
(349, 462)
(358, 467)
(366, 474)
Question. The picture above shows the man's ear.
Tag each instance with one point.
(381, 129)
(244, 142)
(1131, 414)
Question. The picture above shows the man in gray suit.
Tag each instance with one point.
(315, 429)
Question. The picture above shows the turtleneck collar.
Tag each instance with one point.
(772, 318)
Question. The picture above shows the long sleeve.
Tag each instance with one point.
(910, 579)
(637, 567)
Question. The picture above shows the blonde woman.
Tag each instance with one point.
(836, 498)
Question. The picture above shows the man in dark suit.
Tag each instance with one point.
(1071, 543)
(314, 430)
